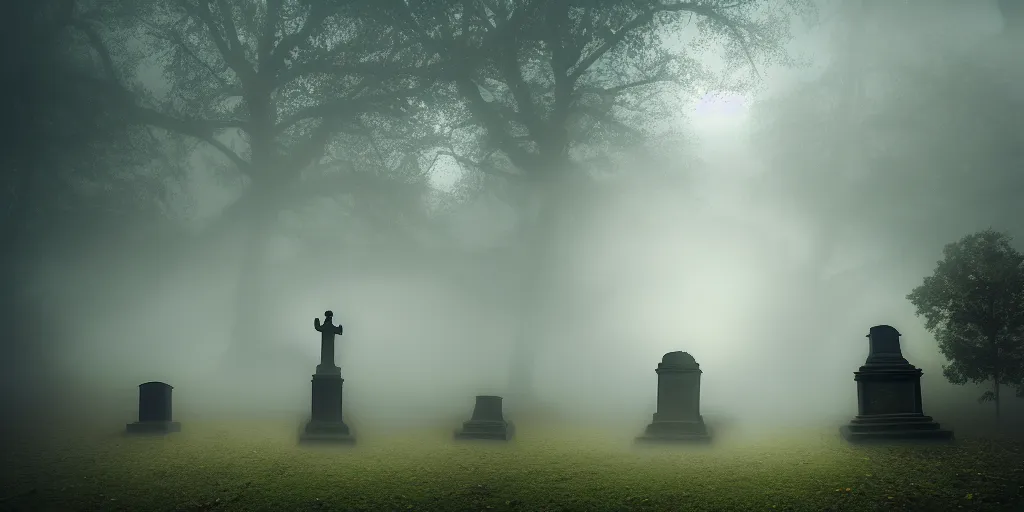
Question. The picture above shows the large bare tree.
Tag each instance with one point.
(261, 85)
(546, 91)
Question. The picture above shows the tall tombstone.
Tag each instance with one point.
(678, 417)
(326, 423)
(487, 422)
(889, 395)
(154, 410)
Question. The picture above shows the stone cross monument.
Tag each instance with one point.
(326, 423)
(327, 332)
(889, 395)
(678, 417)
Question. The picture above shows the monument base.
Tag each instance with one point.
(695, 432)
(334, 432)
(492, 430)
(326, 424)
(894, 427)
(153, 427)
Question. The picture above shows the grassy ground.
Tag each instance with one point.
(246, 466)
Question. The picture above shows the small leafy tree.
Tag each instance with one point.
(974, 306)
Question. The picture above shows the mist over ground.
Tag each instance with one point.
(711, 255)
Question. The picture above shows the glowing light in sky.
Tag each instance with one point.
(721, 109)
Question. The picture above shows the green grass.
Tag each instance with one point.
(240, 466)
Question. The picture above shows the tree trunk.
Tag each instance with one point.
(995, 393)
(538, 240)
(253, 319)
(251, 311)
(1013, 16)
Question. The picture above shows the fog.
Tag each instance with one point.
(709, 254)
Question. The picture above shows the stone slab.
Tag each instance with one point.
(486, 430)
(676, 432)
(327, 432)
(894, 428)
(153, 427)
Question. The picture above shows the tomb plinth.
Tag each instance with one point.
(326, 423)
(155, 413)
(487, 422)
(678, 417)
(889, 396)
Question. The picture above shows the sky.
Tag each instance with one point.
(714, 264)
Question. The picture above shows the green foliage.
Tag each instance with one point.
(973, 304)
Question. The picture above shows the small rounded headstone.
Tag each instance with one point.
(884, 346)
(680, 360)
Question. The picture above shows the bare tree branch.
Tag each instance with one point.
(495, 126)
(318, 13)
(232, 55)
(265, 45)
(480, 166)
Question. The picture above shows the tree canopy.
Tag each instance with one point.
(973, 304)
(548, 87)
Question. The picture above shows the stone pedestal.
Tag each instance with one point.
(487, 422)
(326, 423)
(678, 417)
(154, 410)
(889, 396)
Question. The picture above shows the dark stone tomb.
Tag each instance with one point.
(325, 423)
(678, 417)
(154, 410)
(889, 396)
(487, 422)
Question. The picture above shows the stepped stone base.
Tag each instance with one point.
(153, 427)
(334, 432)
(486, 430)
(894, 427)
(695, 432)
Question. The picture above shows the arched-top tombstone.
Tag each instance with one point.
(678, 416)
(678, 360)
(155, 410)
(889, 395)
(884, 347)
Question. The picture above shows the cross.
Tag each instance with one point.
(327, 332)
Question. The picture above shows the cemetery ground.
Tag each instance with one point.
(257, 465)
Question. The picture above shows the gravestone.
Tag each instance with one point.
(487, 421)
(154, 410)
(678, 417)
(326, 423)
(889, 395)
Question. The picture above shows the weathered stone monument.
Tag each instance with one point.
(326, 423)
(678, 416)
(154, 410)
(889, 395)
(487, 421)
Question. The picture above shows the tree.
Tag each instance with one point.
(73, 176)
(974, 306)
(545, 91)
(295, 95)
